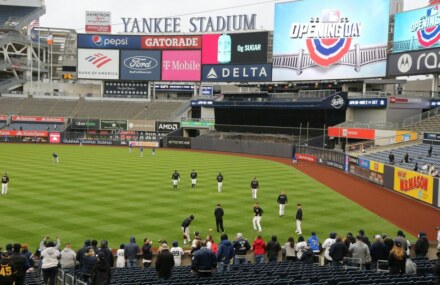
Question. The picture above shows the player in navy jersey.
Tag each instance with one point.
(282, 202)
(219, 182)
(254, 188)
(193, 178)
(176, 178)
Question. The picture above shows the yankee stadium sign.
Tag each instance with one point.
(227, 23)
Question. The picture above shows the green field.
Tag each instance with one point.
(107, 193)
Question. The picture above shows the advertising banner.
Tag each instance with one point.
(364, 163)
(140, 65)
(141, 136)
(85, 124)
(377, 166)
(55, 138)
(367, 103)
(306, 157)
(98, 22)
(235, 48)
(417, 29)
(12, 133)
(199, 124)
(370, 175)
(171, 42)
(37, 119)
(414, 184)
(181, 65)
(330, 39)
(352, 133)
(167, 126)
(179, 142)
(431, 136)
(90, 141)
(98, 64)
(236, 73)
(3, 118)
(405, 136)
(145, 144)
(113, 125)
(414, 62)
(141, 125)
(125, 89)
(108, 41)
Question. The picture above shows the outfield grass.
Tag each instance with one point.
(107, 193)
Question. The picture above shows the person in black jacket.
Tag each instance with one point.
(273, 248)
(338, 251)
(219, 213)
(391, 158)
(20, 262)
(89, 261)
(82, 252)
(193, 178)
(204, 261)
(241, 247)
(164, 262)
(185, 229)
(422, 246)
(254, 187)
(101, 271)
(397, 259)
(147, 253)
(378, 251)
(308, 256)
(107, 253)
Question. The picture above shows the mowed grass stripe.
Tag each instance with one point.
(107, 193)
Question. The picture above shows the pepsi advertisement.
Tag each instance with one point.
(330, 39)
(417, 29)
(140, 65)
(108, 41)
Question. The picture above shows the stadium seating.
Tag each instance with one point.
(36, 127)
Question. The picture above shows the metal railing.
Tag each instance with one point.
(362, 125)
(408, 122)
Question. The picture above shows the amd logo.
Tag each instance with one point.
(167, 126)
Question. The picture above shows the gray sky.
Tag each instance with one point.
(71, 14)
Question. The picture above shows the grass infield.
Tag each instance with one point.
(108, 193)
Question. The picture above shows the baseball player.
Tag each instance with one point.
(219, 182)
(282, 202)
(176, 178)
(254, 188)
(193, 178)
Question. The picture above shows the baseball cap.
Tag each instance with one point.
(175, 243)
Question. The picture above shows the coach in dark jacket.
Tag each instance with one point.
(204, 261)
(422, 245)
(164, 262)
(338, 251)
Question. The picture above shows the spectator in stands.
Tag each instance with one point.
(403, 241)
(430, 151)
(131, 252)
(20, 262)
(338, 251)
(300, 247)
(147, 252)
(120, 256)
(164, 262)
(365, 239)
(50, 255)
(68, 259)
(406, 158)
(378, 251)
(388, 242)
(273, 247)
(259, 248)
(101, 271)
(425, 167)
(397, 259)
(29, 256)
(422, 245)
(438, 237)
(326, 246)
(196, 242)
(89, 261)
(8, 268)
(391, 158)
(82, 252)
(177, 252)
(360, 252)
(204, 261)
(290, 249)
(314, 243)
(241, 247)
(225, 254)
(307, 256)
(210, 243)
(416, 167)
(94, 244)
(108, 253)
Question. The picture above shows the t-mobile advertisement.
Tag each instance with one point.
(181, 65)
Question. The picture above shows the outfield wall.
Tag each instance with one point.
(406, 182)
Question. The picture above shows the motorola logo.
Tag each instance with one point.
(404, 63)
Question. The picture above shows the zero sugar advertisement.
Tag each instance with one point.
(330, 39)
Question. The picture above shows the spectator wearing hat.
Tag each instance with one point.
(422, 245)
(378, 251)
(338, 251)
(241, 247)
(20, 262)
(101, 271)
(131, 252)
(397, 258)
(326, 246)
(8, 268)
(49, 265)
(164, 262)
(204, 261)
(147, 252)
(403, 241)
(89, 261)
(314, 243)
(177, 252)
(185, 229)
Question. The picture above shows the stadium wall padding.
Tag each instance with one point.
(388, 177)
(248, 147)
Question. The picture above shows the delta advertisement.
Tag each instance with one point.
(140, 65)
(330, 39)
(417, 29)
(98, 64)
(414, 184)
(181, 65)
(235, 48)
(236, 73)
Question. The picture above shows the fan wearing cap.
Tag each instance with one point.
(164, 262)
(403, 241)
(397, 258)
(177, 252)
(101, 271)
(326, 245)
